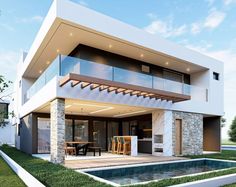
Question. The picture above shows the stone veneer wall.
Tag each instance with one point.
(57, 132)
(192, 132)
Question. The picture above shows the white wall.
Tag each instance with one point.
(7, 134)
(162, 125)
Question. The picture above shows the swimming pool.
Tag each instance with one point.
(135, 174)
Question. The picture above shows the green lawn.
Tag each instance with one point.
(50, 174)
(225, 155)
(57, 175)
(227, 142)
(8, 178)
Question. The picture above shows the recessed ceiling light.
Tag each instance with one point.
(129, 113)
(167, 63)
(48, 62)
(110, 46)
(188, 69)
(71, 34)
(141, 55)
(68, 106)
(101, 110)
(58, 50)
(40, 71)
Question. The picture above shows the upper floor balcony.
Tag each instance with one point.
(106, 77)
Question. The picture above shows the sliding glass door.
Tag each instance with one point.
(43, 135)
(99, 134)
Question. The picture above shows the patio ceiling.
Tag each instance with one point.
(91, 108)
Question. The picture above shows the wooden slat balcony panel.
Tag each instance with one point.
(111, 89)
(120, 90)
(102, 87)
(74, 83)
(175, 97)
(85, 84)
(94, 86)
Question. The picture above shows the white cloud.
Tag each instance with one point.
(8, 62)
(6, 27)
(210, 2)
(36, 18)
(214, 19)
(196, 28)
(166, 29)
(228, 2)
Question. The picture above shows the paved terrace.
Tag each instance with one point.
(116, 161)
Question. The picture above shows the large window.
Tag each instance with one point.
(4, 110)
(43, 135)
(68, 130)
(81, 130)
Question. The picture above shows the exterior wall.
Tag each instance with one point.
(7, 134)
(192, 132)
(28, 134)
(161, 125)
(211, 134)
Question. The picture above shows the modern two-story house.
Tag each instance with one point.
(90, 77)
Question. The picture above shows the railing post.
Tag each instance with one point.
(113, 72)
(59, 57)
(152, 82)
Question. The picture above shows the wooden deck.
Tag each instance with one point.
(118, 161)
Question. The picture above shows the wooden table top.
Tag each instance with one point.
(79, 142)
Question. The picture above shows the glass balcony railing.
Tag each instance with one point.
(64, 65)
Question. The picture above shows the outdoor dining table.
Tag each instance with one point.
(76, 143)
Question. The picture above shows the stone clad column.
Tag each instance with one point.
(57, 132)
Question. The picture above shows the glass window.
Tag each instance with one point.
(81, 130)
(216, 76)
(43, 135)
(4, 110)
(68, 130)
(99, 133)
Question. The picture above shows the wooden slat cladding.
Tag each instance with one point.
(119, 87)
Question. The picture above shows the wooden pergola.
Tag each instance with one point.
(118, 87)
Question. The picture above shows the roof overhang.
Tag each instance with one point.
(68, 24)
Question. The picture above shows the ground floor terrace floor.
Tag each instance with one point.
(159, 133)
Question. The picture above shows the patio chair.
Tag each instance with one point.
(114, 145)
(124, 146)
(69, 150)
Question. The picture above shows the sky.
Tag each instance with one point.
(207, 26)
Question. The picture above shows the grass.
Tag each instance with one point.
(227, 142)
(8, 176)
(225, 155)
(48, 173)
(56, 175)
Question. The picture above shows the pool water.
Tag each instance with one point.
(144, 173)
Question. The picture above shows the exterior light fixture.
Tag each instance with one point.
(110, 46)
(167, 63)
(188, 69)
(141, 55)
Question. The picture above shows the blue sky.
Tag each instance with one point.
(207, 26)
